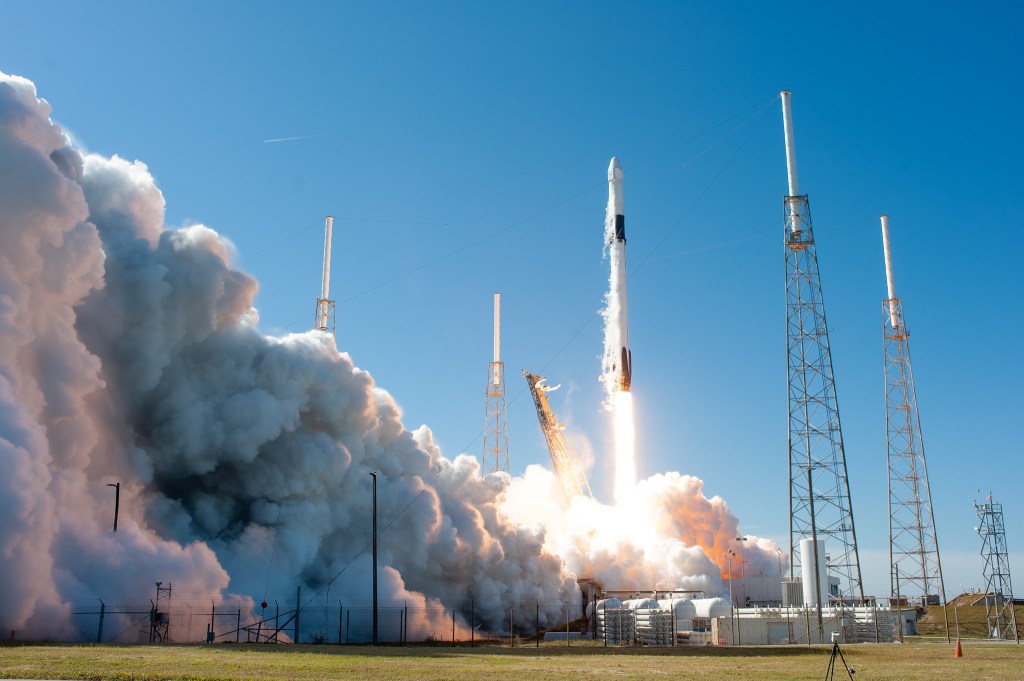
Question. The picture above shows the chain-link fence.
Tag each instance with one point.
(279, 621)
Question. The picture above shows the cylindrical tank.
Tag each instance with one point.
(683, 611)
(712, 607)
(807, 572)
(610, 603)
(642, 604)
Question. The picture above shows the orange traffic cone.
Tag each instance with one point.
(959, 651)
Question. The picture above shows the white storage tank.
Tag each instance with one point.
(684, 612)
(807, 572)
(712, 607)
(610, 603)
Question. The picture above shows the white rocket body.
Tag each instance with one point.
(617, 343)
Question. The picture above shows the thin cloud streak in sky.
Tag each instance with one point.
(292, 139)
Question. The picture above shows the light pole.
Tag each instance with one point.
(374, 476)
(729, 555)
(742, 579)
(117, 500)
(899, 602)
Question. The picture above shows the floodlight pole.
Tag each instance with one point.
(117, 500)
(374, 476)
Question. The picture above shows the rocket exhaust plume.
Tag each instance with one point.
(617, 364)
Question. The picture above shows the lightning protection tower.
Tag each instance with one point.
(819, 493)
(324, 319)
(999, 614)
(495, 422)
(913, 543)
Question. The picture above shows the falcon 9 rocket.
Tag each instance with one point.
(617, 353)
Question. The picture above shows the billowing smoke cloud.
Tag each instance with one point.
(665, 535)
(130, 352)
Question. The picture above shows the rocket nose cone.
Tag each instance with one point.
(614, 170)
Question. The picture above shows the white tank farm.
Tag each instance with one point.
(602, 604)
(653, 623)
(616, 623)
(683, 609)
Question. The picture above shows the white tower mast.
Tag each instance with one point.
(324, 319)
(495, 420)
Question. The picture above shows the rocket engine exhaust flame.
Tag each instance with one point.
(625, 456)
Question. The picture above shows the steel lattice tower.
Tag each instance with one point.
(999, 614)
(913, 543)
(819, 492)
(495, 421)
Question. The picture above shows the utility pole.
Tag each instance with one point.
(117, 500)
(374, 476)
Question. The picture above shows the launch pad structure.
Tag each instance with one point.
(495, 456)
(913, 542)
(819, 492)
(563, 457)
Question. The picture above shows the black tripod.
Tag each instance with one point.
(830, 673)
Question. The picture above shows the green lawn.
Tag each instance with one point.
(906, 662)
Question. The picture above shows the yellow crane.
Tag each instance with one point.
(563, 457)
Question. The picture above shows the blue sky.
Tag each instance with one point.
(463, 148)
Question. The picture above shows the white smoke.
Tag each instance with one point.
(130, 352)
(665, 535)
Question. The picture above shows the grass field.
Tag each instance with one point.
(903, 662)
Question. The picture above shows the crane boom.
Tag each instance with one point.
(563, 457)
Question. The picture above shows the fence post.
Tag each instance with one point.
(238, 626)
(298, 597)
(405, 633)
(99, 631)
(536, 622)
(277, 616)
(211, 634)
(341, 619)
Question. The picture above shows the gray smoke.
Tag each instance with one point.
(130, 351)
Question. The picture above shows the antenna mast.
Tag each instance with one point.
(324, 319)
(495, 456)
(819, 492)
(913, 543)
